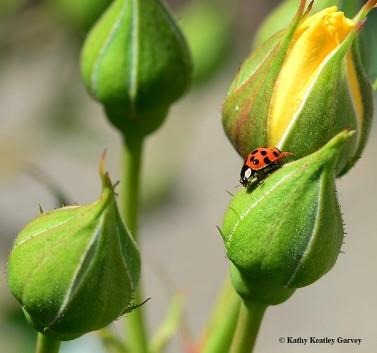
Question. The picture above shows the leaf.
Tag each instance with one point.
(111, 342)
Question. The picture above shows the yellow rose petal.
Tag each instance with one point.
(315, 39)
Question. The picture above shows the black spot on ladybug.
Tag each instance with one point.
(267, 160)
(255, 151)
(255, 161)
(275, 154)
(263, 152)
(252, 158)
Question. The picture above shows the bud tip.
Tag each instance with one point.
(106, 182)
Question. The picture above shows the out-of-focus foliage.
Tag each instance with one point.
(208, 26)
(79, 15)
(9, 7)
(15, 334)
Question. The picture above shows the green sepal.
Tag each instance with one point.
(368, 46)
(366, 93)
(75, 269)
(246, 107)
(136, 63)
(287, 232)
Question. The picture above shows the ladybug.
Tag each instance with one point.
(260, 162)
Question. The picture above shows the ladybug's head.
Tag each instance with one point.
(245, 175)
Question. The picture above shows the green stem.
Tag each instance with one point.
(131, 184)
(136, 329)
(247, 329)
(47, 344)
(219, 333)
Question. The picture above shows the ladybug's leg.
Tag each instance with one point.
(264, 173)
(261, 175)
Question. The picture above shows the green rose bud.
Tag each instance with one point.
(75, 269)
(79, 15)
(288, 231)
(136, 63)
(301, 88)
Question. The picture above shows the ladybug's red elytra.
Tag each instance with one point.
(260, 162)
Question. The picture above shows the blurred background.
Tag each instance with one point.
(52, 135)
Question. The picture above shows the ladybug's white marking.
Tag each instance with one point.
(248, 173)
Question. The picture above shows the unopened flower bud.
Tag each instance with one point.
(136, 63)
(301, 88)
(75, 269)
(288, 231)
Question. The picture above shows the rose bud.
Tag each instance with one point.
(288, 231)
(135, 61)
(75, 269)
(302, 87)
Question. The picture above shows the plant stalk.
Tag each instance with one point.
(248, 325)
(47, 344)
(218, 334)
(130, 195)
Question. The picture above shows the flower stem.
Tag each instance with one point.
(219, 332)
(132, 155)
(247, 329)
(136, 329)
(47, 344)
